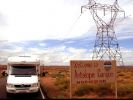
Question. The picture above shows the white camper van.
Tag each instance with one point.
(23, 75)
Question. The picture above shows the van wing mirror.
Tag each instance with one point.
(4, 73)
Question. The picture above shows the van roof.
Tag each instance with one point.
(23, 60)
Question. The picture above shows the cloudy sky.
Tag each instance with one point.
(56, 31)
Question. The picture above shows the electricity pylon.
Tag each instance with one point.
(106, 46)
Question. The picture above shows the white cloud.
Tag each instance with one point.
(42, 44)
(54, 19)
(127, 56)
(124, 28)
(62, 55)
(35, 20)
(47, 19)
(44, 19)
(59, 55)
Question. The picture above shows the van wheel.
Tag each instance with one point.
(8, 94)
(36, 93)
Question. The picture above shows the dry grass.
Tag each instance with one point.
(60, 85)
(56, 84)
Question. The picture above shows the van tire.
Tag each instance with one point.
(36, 93)
(8, 94)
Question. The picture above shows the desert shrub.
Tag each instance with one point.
(100, 90)
(125, 90)
(130, 95)
(121, 74)
(62, 83)
(104, 89)
(44, 73)
(83, 89)
(57, 75)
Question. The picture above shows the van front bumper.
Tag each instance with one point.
(22, 90)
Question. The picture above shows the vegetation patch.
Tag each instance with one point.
(125, 90)
(62, 83)
(100, 90)
(84, 89)
(57, 85)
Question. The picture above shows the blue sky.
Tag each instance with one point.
(56, 31)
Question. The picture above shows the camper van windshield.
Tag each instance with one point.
(23, 70)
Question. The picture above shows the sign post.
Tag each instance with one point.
(116, 94)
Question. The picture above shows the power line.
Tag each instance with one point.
(70, 29)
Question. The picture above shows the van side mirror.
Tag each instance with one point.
(39, 74)
(4, 73)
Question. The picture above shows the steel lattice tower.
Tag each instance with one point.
(106, 46)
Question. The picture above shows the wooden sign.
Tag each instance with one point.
(92, 71)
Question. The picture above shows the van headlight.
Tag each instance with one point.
(10, 85)
(35, 85)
